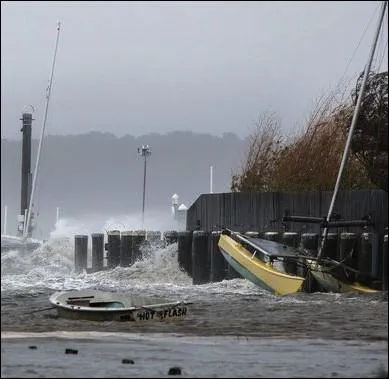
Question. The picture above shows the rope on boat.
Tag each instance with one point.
(40, 310)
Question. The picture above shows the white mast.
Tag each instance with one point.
(57, 215)
(5, 219)
(211, 180)
(27, 224)
(353, 123)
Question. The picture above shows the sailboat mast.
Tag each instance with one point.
(353, 123)
(27, 225)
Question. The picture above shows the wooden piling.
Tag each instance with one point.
(365, 256)
(272, 236)
(291, 239)
(138, 240)
(200, 257)
(219, 265)
(385, 264)
(126, 249)
(80, 252)
(184, 242)
(97, 251)
(310, 242)
(348, 249)
(331, 246)
(113, 247)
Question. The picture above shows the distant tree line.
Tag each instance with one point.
(311, 159)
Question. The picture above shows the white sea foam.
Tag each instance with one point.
(51, 266)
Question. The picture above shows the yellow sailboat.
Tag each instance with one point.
(328, 280)
(260, 261)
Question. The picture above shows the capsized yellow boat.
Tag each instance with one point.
(256, 263)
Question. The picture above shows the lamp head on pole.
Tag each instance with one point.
(144, 150)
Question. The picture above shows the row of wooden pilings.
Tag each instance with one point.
(200, 257)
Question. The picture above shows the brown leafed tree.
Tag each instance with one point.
(370, 138)
(264, 146)
(310, 161)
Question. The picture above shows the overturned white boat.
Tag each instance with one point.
(94, 305)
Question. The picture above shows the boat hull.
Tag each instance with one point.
(104, 306)
(263, 274)
(330, 283)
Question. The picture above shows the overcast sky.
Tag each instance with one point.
(140, 67)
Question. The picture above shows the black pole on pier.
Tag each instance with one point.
(113, 247)
(80, 252)
(219, 265)
(97, 251)
(184, 242)
(385, 262)
(126, 249)
(200, 257)
(26, 166)
(138, 243)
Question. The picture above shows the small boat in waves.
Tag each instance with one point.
(263, 262)
(94, 305)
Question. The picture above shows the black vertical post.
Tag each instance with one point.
(272, 236)
(97, 251)
(184, 242)
(309, 242)
(125, 249)
(331, 246)
(26, 165)
(113, 248)
(291, 239)
(200, 257)
(218, 263)
(365, 256)
(348, 248)
(385, 264)
(138, 240)
(80, 252)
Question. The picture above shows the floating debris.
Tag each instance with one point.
(174, 371)
(71, 351)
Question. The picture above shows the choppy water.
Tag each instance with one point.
(234, 328)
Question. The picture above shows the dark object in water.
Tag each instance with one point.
(174, 371)
(71, 351)
(32, 347)
(128, 361)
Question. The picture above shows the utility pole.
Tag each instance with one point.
(145, 152)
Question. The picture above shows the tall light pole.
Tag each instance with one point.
(144, 151)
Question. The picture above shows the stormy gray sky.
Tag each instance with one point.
(154, 67)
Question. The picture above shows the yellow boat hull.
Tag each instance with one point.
(261, 273)
(332, 284)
